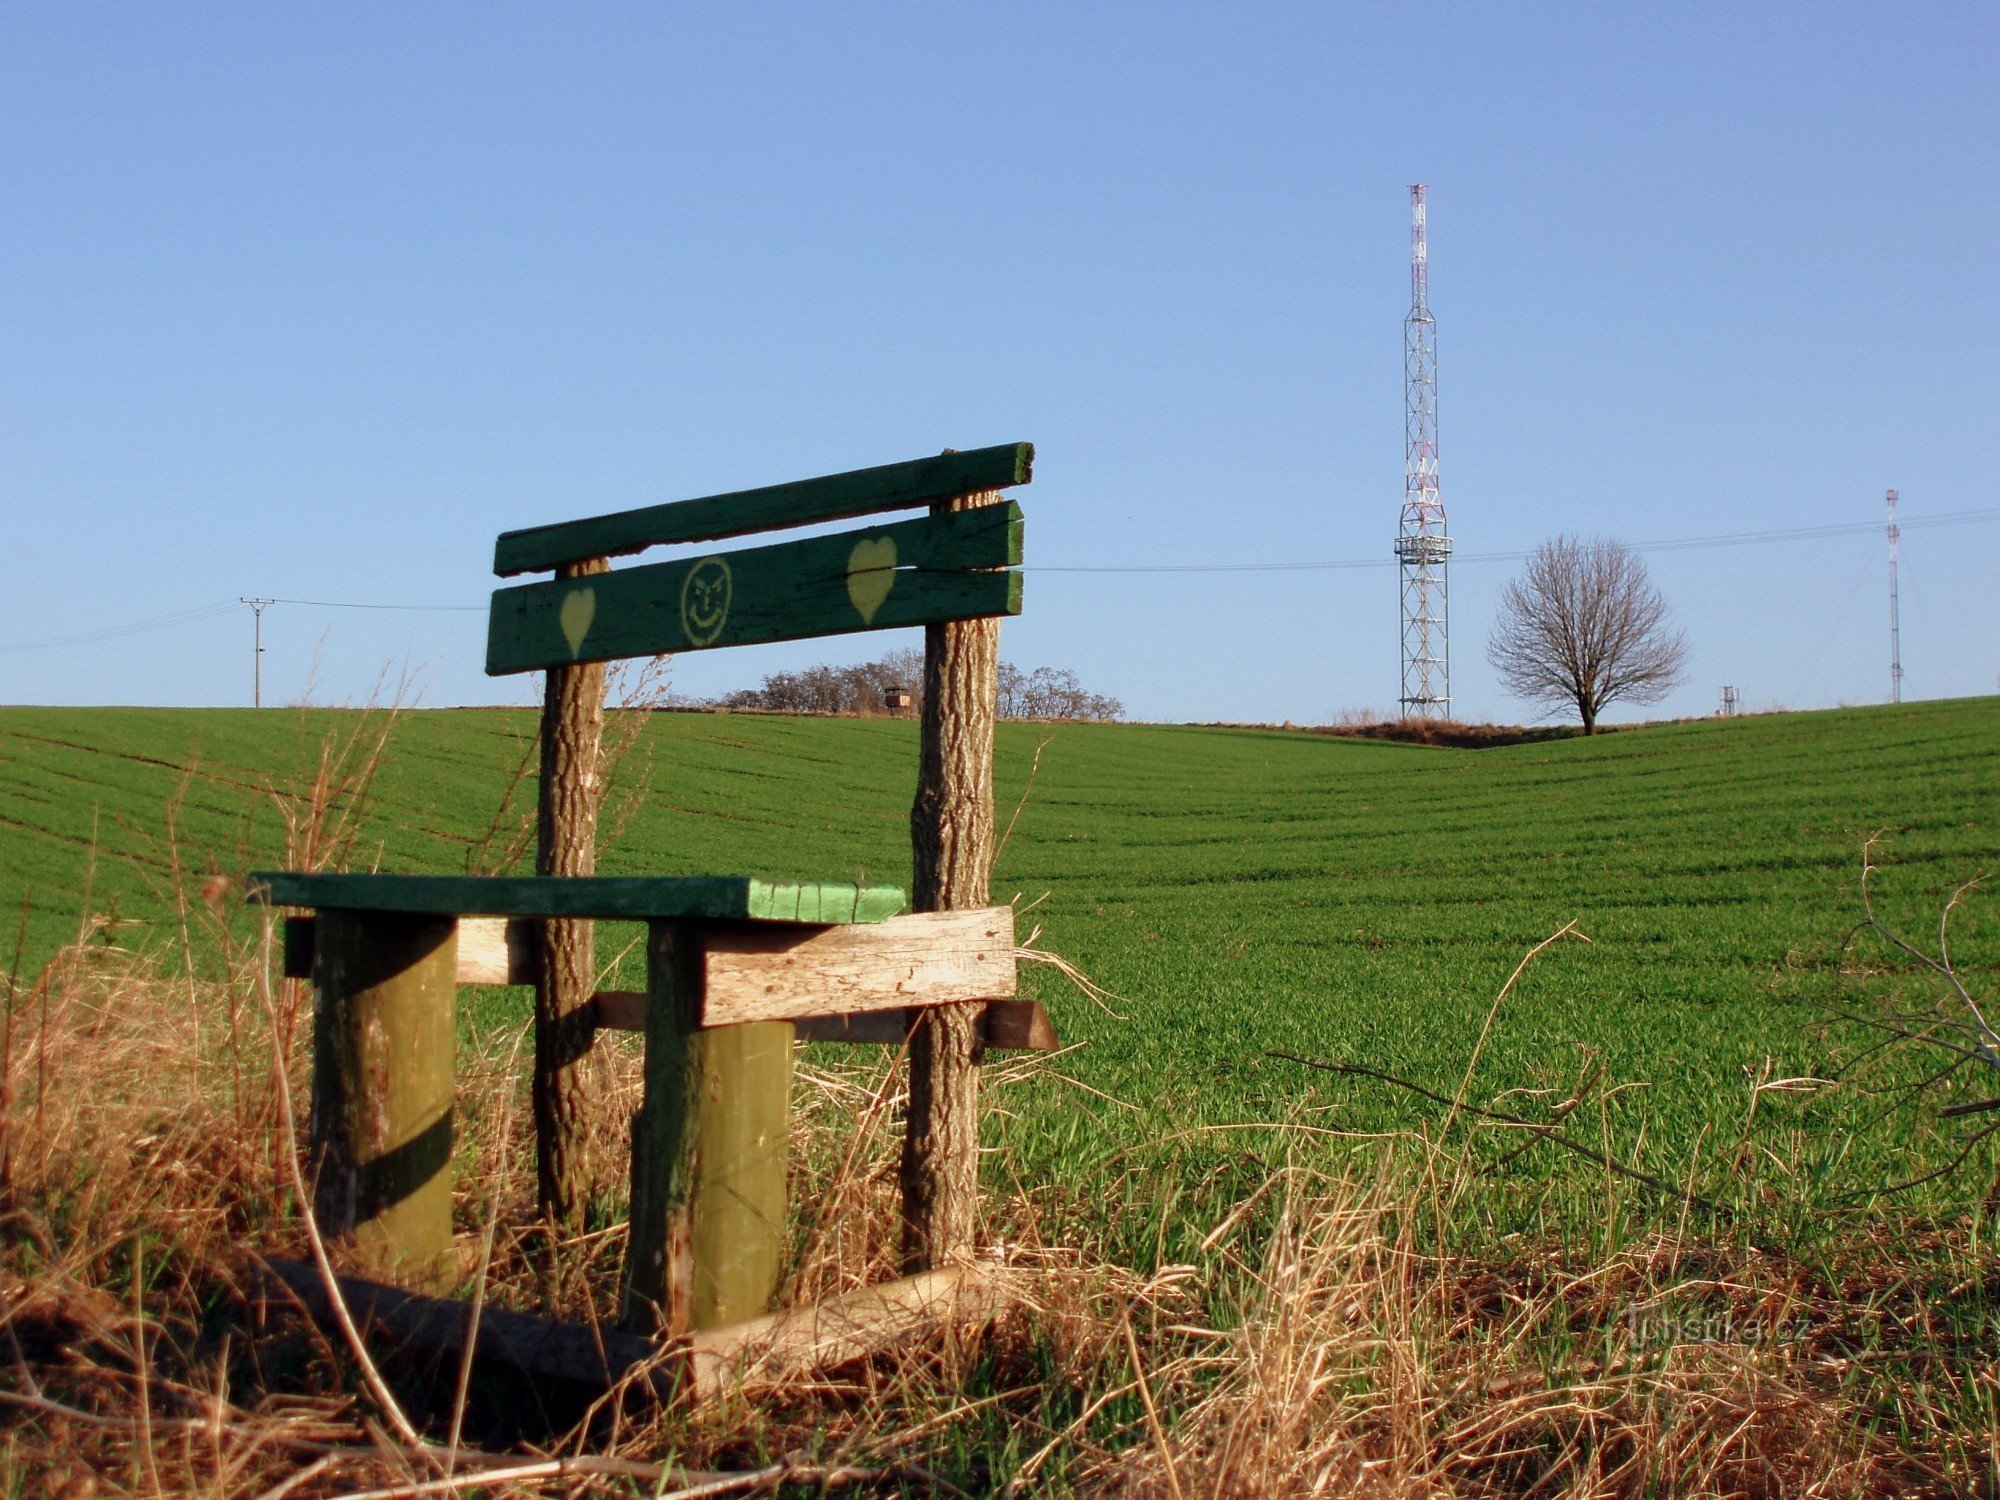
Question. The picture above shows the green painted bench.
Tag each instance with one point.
(736, 966)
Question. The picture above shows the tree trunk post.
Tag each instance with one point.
(951, 841)
(568, 796)
(385, 991)
(710, 1148)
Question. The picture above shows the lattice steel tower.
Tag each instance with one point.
(1422, 546)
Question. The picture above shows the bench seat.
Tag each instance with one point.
(641, 898)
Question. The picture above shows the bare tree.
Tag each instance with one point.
(1045, 693)
(1585, 626)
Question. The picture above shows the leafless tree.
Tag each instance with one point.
(1045, 693)
(1585, 626)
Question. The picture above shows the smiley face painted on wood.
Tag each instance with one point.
(705, 598)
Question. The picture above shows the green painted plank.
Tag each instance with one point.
(904, 573)
(604, 897)
(835, 497)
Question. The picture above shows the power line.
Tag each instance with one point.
(463, 609)
(1680, 544)
(135, 627)
(1677, 544)
(215, 612)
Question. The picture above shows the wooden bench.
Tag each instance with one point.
(732, 965)
(737, 968)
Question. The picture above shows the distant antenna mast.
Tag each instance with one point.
(1422, 546)
(257, 608)
(1895, 609)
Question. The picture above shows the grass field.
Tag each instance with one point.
(1331, 1287)
(1240, 890)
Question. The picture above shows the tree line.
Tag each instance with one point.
(1044, 693)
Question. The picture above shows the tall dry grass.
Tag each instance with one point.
(1317, 1342)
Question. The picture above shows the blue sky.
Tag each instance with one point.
(311, 301)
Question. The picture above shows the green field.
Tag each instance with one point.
(1239, 890)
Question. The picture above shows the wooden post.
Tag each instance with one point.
(951, 841)
(709, 1154)
(568, 798)
(386, 989)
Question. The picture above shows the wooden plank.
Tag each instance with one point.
(731, 1357)
(500, 951)
(298, 948)
(491, 950)
(497, 950)
(568, 1351)
(620, 1010)
(1017, 1026)
(777, 974)
(1004, 1025)
(834, 497)
(881, 578)
(607, 897)
(799, 1341)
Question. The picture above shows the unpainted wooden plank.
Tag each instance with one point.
(491, 950)
(801, 1340)
(591, 1355)
(606, 897)
(878, 578)
(1017, 1026)
(298, 947)
(620, 1010)
(1004, 1025)
(802, 502)
(731, 1357)
(496, 950)
(776, 974)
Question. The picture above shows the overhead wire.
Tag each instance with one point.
(464, 609)
(134, 627)
(1672, 544)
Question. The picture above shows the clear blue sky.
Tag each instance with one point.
(311, 301)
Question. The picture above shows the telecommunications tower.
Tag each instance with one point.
(1895, 609)
(1422, 547)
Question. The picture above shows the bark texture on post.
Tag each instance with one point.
(569, 794)
(385, 990)
(951, 842)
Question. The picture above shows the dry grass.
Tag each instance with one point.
(1318, 1348)
(1318, 1345)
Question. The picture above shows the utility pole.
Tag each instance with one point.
(257, 608)
(1895, 609)
(1422, 544)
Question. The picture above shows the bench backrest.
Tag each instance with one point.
(950, 565)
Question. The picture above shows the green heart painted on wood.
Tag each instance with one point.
(578, 610)
(871, 573)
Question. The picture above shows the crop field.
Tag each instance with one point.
(1674, 1267)
(1240, 892)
